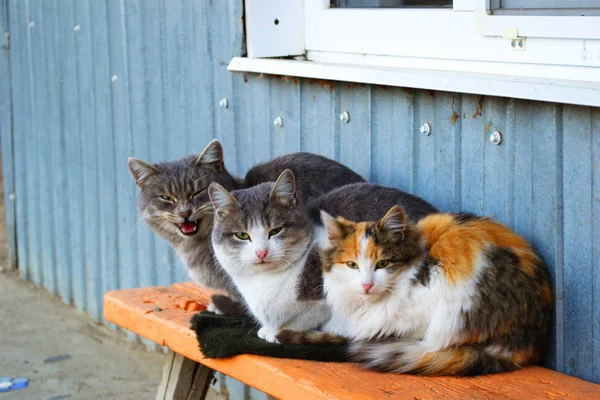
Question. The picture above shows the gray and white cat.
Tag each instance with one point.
(263, 238)
(174, 202)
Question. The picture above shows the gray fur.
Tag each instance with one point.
(367, 202)
(315, 174)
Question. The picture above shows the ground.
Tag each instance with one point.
(61, 350)
(97, 363)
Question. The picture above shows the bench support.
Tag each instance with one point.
(183, 379)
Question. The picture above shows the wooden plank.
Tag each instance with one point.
(183, 379)
(134, 309)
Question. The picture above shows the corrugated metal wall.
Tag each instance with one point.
(94, 82)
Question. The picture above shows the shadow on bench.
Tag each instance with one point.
(162, 315)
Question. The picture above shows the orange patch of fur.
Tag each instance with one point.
(446, 361)
(352, 246)
(525, 357)
(457, 246)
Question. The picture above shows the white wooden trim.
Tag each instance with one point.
(561, 91)
(542, 71)
(264, 37)
(446, 34)
(537, 26)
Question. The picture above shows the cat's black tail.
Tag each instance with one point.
(412, 357)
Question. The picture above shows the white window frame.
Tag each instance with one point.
(464, 42)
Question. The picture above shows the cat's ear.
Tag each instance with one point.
(221, 199)
(284, 190)
(140, 170)
(394, 221)
(334, 227)
(212, 155)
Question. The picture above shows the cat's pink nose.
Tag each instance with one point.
(367, 287)
(262, 253)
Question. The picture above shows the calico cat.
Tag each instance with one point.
(262, 237)
(454, 294)
(174, 200)
(270, 212)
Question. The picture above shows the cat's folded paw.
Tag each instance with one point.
(228, 306)
(269, 334)
(212, 308)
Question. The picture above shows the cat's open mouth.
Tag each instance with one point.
(188, 227)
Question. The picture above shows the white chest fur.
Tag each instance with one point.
(273, 296)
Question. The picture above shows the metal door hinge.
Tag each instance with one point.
(6, 40)
(516, 42)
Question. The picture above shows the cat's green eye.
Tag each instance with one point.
(242, 235)
(170, 199)
(275, 231)
(382, 264)
(196, 194)
(352, 264)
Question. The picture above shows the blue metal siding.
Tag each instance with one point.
(144, 78)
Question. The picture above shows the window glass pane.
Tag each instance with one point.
(390, 3)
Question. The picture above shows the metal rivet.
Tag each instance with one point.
(278, 122)
(223, 103)
(114, 79)
(11, 197)
(496, 137)
(32, 24)
(513, 43)
(77, 29)
(521, 43)
(425, 129)
(6, 40)
(345, 117)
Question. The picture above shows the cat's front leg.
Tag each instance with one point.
(269, 334)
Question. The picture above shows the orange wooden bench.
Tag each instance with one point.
(162, 314)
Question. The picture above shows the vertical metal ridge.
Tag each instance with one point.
(33, 259)
(45, 22)
(457, 149)
(595, 112)
(559, 313)
(510, 141)
(7, 140)
(374, 129)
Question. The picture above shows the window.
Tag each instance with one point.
(545, 7)
(546, 45)
(389, 3)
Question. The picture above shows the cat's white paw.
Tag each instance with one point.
(267, 333)
(212, 308)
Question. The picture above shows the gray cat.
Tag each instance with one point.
(264, 238)
(174, 200)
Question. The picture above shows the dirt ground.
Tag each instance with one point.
(62, 351)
